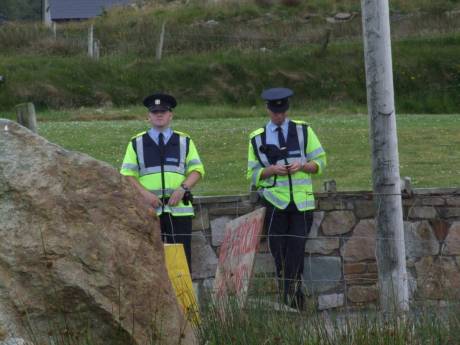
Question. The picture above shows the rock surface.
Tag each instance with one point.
(76, 244)
(453, 240)
(363, 294)
(438, 278)
(322, 273)
(338, 222)
(361, 246)
(420, 239)
(218, 229)
(204, 259)
(330, 301)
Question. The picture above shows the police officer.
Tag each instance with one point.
(164, 165)
(282, 158)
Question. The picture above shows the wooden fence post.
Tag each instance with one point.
(26, 116)
(54, 29)
(161, 42)
(96, 49)
(91, 41)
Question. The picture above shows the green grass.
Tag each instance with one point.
(258, 325)
(428, 144)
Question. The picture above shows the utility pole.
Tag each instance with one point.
(390, 248)
(46, 13)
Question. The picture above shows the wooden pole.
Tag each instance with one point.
(159, 51)
(26, 116)
(91, 41)
(390, 249)
(96, 50)
(54, 28)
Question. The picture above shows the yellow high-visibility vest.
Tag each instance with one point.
(303, 145)
(142, 161)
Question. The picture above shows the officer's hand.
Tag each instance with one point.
(280, 170)
(294, 167)
(152, 199)
(176, 197)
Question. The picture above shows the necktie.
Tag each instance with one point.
(281, 140)
(161, 144)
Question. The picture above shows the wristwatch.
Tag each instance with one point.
(184, 187)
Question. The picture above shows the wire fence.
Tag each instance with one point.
(142, 38)
(438, 281)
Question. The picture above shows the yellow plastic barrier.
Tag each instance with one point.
(179, 275)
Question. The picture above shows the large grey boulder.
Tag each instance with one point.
(79, 252)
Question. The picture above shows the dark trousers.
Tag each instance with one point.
(178, 230)
(287, 232)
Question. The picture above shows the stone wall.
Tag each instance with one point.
(340, 264)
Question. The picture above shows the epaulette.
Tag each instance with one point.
(138, 135)
(256, 132)
(300, 122)
(182, 133)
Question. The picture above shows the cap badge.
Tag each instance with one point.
(157, 101)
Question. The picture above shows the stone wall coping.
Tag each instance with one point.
(437, 191)
(326, 195)
(213, 199)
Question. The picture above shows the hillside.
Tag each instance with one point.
(228, 53)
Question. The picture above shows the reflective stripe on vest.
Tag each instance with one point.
(271, 197)
(263, 157)
(183, 153)
(301, 139)
(129, 166)
(305, 204)
(255, 173)
(157, 192)
(295, 182)
(140, 153)
(315, 153)
(175, 210)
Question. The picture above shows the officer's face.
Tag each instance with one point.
(277, 118)
(160, 119)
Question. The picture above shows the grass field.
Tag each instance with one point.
(429, 144)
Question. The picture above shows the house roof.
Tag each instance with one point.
(81, 9)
